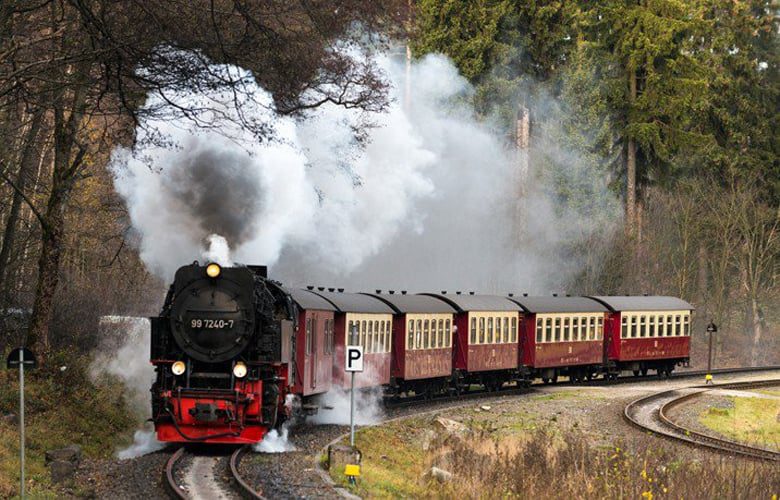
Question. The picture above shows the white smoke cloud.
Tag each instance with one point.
(429, 202)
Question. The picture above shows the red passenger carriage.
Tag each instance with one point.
(371, 321)
(645, 333)
(422, 342)
(486, 339)
(562, 336)
(315, 344)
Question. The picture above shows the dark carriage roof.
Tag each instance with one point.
(642, 303)
(548, 304)
(463, 303)
(403, 303)
(309, 300)
(355, 302)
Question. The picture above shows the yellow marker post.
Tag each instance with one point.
(708, 378)
(352, 472)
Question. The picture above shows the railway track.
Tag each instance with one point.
(651, 413)
(407, 401)
(209, 487)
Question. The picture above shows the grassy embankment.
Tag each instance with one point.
(754, 420)
(526, 455)
(61, 408)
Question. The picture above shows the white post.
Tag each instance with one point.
(352, 412)
(21, 422)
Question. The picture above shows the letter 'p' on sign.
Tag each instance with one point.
(354, 358)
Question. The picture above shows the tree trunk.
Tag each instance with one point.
(631, 166)
(756, 320)
(66, 170)
(26, 164)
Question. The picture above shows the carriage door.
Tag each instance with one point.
(313, 350)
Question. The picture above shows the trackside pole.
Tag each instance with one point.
(352, 412)
(21, 423)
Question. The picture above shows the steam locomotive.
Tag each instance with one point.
(236, 353)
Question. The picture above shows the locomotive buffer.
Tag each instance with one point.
(354, 363)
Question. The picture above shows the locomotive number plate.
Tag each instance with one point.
(211, 323)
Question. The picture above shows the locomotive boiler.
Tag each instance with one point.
(221, 348)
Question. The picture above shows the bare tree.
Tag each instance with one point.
(89, 65)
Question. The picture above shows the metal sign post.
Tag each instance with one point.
(18, 358)
(354, 363)
(711, 328)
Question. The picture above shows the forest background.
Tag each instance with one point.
(674, 104)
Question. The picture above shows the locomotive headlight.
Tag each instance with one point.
(178, 367)
(213, 270)
(239, 370)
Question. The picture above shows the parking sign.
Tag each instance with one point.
(354, 358)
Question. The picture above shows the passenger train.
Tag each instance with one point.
(236, 353)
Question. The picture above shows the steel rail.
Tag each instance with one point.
(670, 429)
(169, 472)
(245, 490)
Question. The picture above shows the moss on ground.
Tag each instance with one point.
(62, 407)
(754, 420)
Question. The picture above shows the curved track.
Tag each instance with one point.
(650, 413)
(211, 491)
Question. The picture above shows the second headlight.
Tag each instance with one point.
(239, 370)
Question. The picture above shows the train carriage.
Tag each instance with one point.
(371, 321)
(562, 336)
(486, 339)
(647, 333)
(422, 342)
(315, 343)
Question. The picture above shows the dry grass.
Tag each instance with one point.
(545, 464)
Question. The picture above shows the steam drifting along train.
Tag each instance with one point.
(235, 353)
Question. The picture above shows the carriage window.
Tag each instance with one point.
(687, 326)
(634, 327)
(308, 336)
(669, 326)
(389, 336)
(473, 330)
(499, 336)
(481, 330)
(380, 347)
(557, 330)
(447, 332)
(539, 328)
(489, 339)
(418, 335)
(507, 335)
(651, 326)
(566, 330)
(440, 336)
(369, 336)
(624, 327)
(410, 335)
(426, 333)
(577, 327)
(514, 329)
(600, 329)
(375, 347)
(677, 325)
(659, 326)
(643, 326)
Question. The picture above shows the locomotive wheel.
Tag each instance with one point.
(636, 373)
(555, 379)
(545, 380)
(644, 372)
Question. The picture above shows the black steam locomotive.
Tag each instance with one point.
(221, 348)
